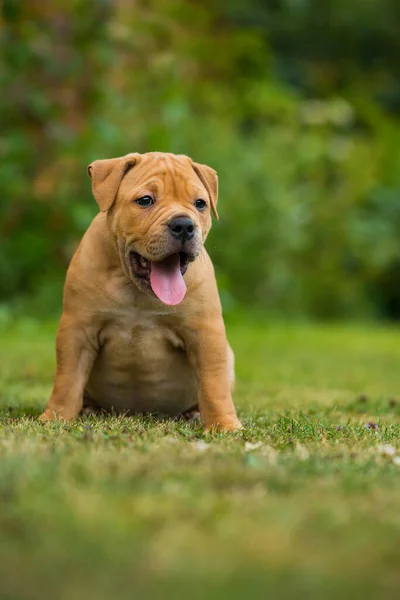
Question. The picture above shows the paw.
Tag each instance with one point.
(224, 426)
(48, 415)
(89, 411)
(191, 415)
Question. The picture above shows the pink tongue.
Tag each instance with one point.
(166, 280)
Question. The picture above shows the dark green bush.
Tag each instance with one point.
(294, 103)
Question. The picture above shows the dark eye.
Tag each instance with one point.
(145, 201)
(200, 204)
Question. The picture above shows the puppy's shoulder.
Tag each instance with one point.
(91, 262)
(93, 253)
(202, 296)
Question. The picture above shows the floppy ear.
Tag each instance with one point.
(209, 179)
(106, 177)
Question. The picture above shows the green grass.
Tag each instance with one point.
(303, 504)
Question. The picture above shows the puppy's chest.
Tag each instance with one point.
(140, 341)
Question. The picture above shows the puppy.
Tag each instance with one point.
(142, 328)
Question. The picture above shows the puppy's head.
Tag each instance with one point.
(159, 210)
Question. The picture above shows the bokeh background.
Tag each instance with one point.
(294, 102)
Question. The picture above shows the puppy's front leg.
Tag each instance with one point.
(208, 353)
(76, 350)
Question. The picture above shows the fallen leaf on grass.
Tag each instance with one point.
(200, 445)
(249, 446)
(301, 452)
(386, 449)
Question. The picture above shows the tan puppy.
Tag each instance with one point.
(142, 328)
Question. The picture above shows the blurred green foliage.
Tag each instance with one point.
(294, 102)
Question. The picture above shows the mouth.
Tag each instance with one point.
(142, 267)
(164, 277)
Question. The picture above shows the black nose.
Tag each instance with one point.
(182, 228)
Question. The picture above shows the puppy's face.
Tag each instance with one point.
(160, 217)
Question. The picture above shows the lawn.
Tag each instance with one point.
(305, 503)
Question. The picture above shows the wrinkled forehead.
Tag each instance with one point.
(163, 174)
